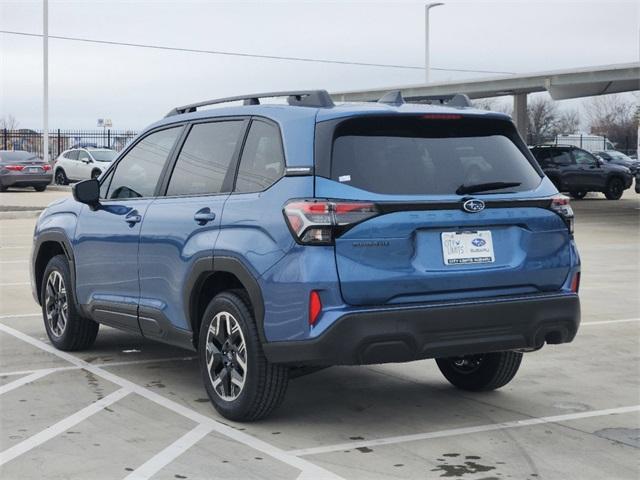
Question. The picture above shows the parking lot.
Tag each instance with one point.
(131, 408)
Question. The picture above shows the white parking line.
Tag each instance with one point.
(60, 427)
(607, 322)
(20, 315)
(169, 454)
(15, 247)
(308, 469)
(24, 380)
(13, 261)
(14, 284)
(100, 365)
(463, 431)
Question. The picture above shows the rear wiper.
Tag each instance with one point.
(483, 187)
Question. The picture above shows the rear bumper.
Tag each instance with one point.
(26, 180)
(433, 331)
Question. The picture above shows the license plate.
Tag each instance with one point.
(34, 170)
(467, 247)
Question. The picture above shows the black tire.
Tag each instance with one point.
(60, 177)
(578, 194)
(615, 189)
(483, 372)
(264, 383)
(95, 174)
(40, 188)
(3, 188)
(78, 332)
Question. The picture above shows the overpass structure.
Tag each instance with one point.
(561, 85)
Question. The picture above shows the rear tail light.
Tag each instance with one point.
(575, 282)
(560, 205)
(319, 222)
(315, 307)
(14, 168)
(46, 167)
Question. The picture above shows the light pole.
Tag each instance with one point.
(427, 7)
(45, 79)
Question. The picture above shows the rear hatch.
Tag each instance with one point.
(453, 210)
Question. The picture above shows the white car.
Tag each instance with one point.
(81, 164)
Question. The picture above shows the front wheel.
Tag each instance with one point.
(615, 189)
(66, 329)
(40, 188)
(240, 382)
(482, 372)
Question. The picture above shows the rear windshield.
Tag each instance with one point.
(430, 155)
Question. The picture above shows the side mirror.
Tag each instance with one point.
(88, 192)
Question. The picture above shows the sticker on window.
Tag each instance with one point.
(344, 178)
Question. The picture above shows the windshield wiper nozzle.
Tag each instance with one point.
(483, 187)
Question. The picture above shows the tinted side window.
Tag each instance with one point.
(82, 155)
(560, 157)
(104, 186)
(542, 156)
(137, 174)
(205, 158)
(72, 155)
(262, 162)
(584, 158)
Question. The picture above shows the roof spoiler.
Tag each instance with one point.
(452, 100)
(298, 98)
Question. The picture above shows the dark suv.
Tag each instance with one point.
(578, 172)
(278, 238)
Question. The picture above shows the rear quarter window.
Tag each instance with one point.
(429, 156)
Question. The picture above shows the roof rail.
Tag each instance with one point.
(299, 98)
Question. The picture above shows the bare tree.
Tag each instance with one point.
(9, 122)
(568, 122)
(616, 117)
(494, 105)
(543, 119)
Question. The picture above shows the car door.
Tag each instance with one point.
(590, 173)
(107, 237)
(181, 228)
(567, 169)
(83, 165)
(68, 164)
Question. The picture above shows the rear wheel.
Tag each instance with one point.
(482, 372)
(240, 382)
(3, 188)
(578, 194)
(66, 329)
(615, 189)
(61, 177)
(40, 188)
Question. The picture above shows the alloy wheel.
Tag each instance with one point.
(56, 303)
(226, 355)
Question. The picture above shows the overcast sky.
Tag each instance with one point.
(135, 86)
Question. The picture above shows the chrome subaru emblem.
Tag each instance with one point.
(473, 206)
(478, 242)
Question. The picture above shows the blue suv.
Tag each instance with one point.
(276, 239)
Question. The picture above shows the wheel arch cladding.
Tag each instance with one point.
(48, 245)
(212, 275)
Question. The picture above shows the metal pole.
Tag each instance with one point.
(427, 7)
(45, 79)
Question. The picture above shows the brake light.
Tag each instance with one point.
(575, 282)
(46, 167)
(442, 116)
(315, 307)
(319, 222)
(14, 168)
(560, 205)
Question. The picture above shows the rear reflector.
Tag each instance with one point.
(560, 205)
(315, 307)
(575, 282)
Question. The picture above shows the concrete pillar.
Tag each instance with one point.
(520, 116)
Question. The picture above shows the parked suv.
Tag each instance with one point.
(574, 170)
(272, 238)
(82, 163)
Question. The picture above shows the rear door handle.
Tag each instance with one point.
(203, 216)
